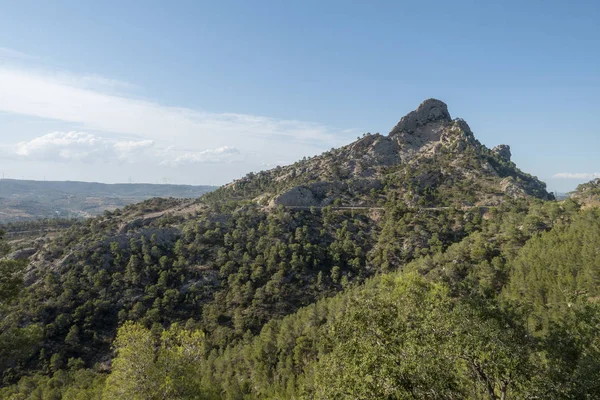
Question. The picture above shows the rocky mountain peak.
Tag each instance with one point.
(431, 110)
(426, 152)
(429, 128)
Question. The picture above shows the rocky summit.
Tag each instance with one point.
(427, 159)
(428, 112)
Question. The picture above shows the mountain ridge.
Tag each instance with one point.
(350, 174)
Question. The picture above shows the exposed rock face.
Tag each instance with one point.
(426, 150)
(380, 148)
(22, 254)
(299, 196)
(510, 188)
(321, 194)
(428, 128)
(503, 151)
(463, 126)
(429, 111)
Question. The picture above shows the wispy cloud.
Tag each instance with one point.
(68, 98)
(218, 155)
(577, 175)
(91, 82)
(100, 121)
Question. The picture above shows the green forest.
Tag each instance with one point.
(314, 304)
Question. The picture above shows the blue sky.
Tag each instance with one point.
(203, 92)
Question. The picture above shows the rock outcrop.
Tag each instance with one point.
(322, 194)
(429, 128)
(22, 254)
(428, 112)
(299, 196)
(503, 151)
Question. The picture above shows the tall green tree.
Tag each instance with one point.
(165, 368)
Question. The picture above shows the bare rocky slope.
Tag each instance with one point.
(427, 158)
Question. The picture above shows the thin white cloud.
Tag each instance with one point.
(67, 98)
(151, 138)
(94, 81)
(577, 175)
(78, 146)
(218, 155)
(125, 148)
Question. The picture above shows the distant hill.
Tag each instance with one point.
(588, 193)
(24, 200)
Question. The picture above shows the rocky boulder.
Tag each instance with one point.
(511, 189)
(299, 196)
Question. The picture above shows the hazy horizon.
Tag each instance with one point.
(101, 183)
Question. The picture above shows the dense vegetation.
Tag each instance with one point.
(508, 311)
(231, 272)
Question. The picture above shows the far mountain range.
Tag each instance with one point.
(25, 200)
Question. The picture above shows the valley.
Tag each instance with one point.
(22, 200)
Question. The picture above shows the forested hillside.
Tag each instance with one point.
(415, 265)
